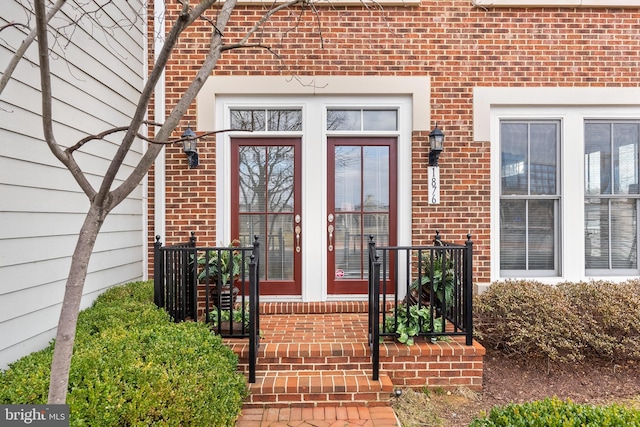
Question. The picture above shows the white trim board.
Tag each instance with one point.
(418, 88)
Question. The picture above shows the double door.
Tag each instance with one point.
(267, 196)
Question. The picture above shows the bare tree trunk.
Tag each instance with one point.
(66, 333)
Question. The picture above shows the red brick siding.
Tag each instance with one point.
(456, 45)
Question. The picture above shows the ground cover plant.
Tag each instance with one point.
(133, 366)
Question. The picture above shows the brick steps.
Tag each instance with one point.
(309, 359)
(318, 388)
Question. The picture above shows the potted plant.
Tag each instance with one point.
(222, 267)
(438, 269)
(411, 321)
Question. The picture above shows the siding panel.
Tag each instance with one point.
(41, 206)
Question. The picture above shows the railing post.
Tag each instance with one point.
(468, 289)
(158, 274)
(370, 257)
(254, 309)
(192, 276)
(375, 315)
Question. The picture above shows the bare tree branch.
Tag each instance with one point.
(13, 63)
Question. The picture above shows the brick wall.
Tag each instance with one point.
(456, 45)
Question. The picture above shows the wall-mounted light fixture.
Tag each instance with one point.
(189, 140)
(436, 141)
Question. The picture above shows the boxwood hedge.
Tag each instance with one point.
(132, 366)
(553, 412)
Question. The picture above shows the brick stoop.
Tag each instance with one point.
(316, 354)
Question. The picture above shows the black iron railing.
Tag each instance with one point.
(421, 292)
(217, 285)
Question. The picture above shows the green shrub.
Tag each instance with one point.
(133, 366)
(553, 412)
(564, 323)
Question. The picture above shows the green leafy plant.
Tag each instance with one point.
(412, 320)
(133, 366)
(439, 270)
(553, 412)
(235, 315)
(221, 264)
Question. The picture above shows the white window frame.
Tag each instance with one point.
(602, 102)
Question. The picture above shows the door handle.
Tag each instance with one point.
(298, 229)
(330, 229)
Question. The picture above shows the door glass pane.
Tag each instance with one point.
(348, 244)
(266, 190)
(279, 244)
(280, 179)
(251, 225)
(513, 235)
(348, 178)
(253, 177)
(376, 178)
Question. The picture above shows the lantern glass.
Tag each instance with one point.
(436, 139)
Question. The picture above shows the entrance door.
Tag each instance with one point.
(265, 196)
(361, 202)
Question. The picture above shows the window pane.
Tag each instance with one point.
(596, 233)
(597, 150)
(380, 120)
(513, 235)
(623, 234)
(344, 120)
(285, 120)
(543, 158)
(541, 244)
(625, 146)
(514, 158)
(251, 120)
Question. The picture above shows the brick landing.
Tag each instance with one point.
(316, 355)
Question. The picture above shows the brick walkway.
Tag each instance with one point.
(346, 416)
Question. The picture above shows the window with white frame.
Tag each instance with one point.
(529, 197)
(266, 120)
(611, 165)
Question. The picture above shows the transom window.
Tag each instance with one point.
(611, 164)
(529, 197)
(267, 120)
(362, 120)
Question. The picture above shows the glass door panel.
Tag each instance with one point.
(266, 203)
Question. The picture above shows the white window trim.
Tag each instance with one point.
(572, 117)
(554, 3)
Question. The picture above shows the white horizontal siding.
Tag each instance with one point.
(96, 83)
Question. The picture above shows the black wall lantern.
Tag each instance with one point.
(189, 139)
(436, 141)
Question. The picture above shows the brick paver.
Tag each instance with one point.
(349, 416)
